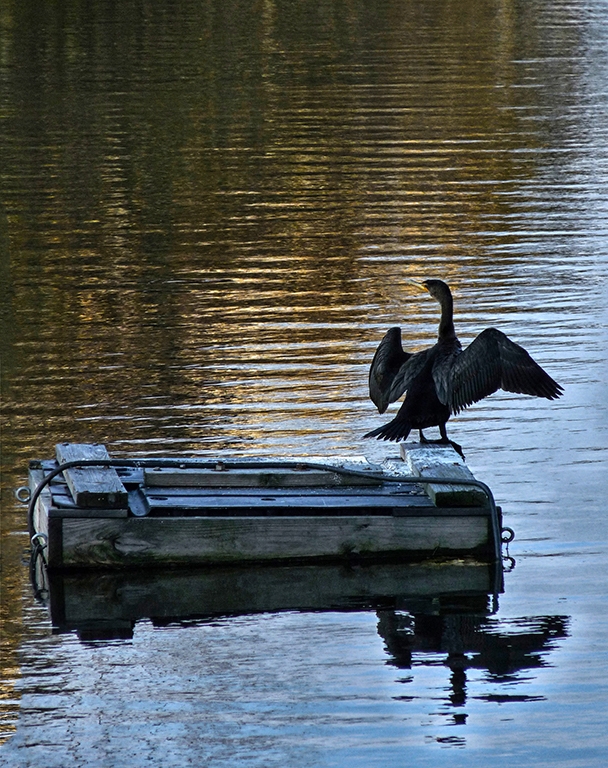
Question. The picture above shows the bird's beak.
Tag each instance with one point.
(421, 286)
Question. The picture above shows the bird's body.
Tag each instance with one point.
(444, 379)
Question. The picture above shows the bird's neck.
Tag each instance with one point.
(446, 324)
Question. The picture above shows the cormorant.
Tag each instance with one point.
(444, 379)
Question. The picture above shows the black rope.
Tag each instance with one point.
(39, 544)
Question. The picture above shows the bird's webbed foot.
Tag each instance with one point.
(457, 448)
(446, 441)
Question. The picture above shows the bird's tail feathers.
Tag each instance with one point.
(395, 430)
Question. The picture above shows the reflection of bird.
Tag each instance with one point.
(445, 378)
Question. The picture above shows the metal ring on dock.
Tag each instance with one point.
(23, 494)
(507, 535)
(39, 541)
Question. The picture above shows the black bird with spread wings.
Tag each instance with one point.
(445, 379)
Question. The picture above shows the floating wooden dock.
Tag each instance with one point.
(91, 511)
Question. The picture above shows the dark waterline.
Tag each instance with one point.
(208, 212)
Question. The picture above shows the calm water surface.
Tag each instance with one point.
(209, 212)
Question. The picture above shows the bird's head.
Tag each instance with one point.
(437, 288)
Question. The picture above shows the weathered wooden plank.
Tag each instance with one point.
(329, 504)
(63, 506)
(86, 512)
(389, 490)
(432, 460)
(395, 499)
(45, 502)
(175, 541)
(42, 521)
(91, 486)
(273, 477)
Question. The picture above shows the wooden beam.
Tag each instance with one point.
(432, 460)
(91, 486)
(86, 512)
(40, 519)
(199, 540)
(304, 506)
(63, 506)
(273, 477)
(42, 522)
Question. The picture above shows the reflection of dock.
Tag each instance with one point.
(437, 613)
(93, 511)
(107, 604)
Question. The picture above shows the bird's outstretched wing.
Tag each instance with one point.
(387, 361)
(392, 369)
(492, 361)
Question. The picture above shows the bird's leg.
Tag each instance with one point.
(446, 440)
